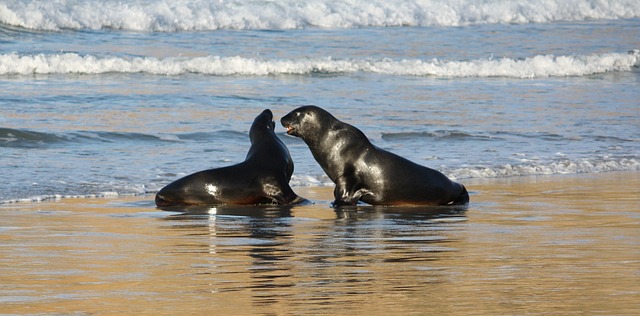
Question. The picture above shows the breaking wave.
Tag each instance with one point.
(539, 66)
(172, 16)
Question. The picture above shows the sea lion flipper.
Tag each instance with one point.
(281, 193)
(463, 197)
(344, 197)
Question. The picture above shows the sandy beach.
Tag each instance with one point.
(557, 244)
(531, 104)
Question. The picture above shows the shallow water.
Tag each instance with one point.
(526, 245)
(98, 98)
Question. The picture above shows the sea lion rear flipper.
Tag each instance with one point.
(463, 197)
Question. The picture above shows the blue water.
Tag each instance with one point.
(98, 98)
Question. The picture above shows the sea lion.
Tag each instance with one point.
(262, 178)
(364, 172)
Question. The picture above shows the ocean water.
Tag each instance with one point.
(103, 98)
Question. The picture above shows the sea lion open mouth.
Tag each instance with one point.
(290, 129)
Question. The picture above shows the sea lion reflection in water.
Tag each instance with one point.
(263, 178)
(364, 172)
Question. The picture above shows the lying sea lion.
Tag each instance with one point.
(262, 178)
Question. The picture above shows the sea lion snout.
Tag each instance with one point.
(295, 120)
(268, 114)
(287, 122)
(161, 201)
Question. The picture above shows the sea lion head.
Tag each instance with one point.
(262, 125)
(306, 121)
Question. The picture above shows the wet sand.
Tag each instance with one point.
(525, 245)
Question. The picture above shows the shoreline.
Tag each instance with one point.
(323, 193)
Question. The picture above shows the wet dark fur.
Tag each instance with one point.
(364, 172)
(263, 178)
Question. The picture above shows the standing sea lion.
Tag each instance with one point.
(364, 172)
(263, 178)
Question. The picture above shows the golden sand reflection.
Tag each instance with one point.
(524, 245)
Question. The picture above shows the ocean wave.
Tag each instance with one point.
(208, 136)
(170, 16)
(445, 135)
(23, 138)
(10, 137)
(539, 66)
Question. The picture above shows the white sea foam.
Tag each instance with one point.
(595, 165)
(56, 197)
(566, 166)
(561, 167)
(592, 165)
(167, 15)
(534, 67)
